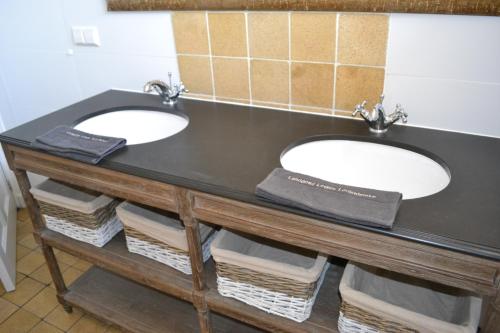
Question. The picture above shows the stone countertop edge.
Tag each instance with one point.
(228, 149)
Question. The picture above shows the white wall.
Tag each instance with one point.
(445, 70)
(39, 76)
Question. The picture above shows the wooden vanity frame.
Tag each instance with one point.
(425, 261)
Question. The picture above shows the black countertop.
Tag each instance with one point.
(228, 149)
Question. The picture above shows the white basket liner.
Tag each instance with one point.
(471, 306)
(237, 250)
(61, 195)
(280, 304)
(98, 237)
(157, 226)
(171, 258)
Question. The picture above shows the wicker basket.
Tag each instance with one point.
(375, 300)
(159, 237)
(83, 215)
(272, 278)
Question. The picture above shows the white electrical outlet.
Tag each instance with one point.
(86, 36)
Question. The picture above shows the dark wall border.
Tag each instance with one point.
(457, 7)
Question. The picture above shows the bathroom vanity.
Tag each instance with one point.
(208, 172)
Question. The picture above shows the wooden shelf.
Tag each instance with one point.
(323, 318)
(115, 257)
(137, 308)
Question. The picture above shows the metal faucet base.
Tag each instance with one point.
(378, 131)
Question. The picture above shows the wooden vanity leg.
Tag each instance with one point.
(492, 320)
(38, 226)
(196, 254)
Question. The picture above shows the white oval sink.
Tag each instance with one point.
(368, 165)
(137, 126)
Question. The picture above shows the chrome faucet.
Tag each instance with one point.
(377, 119)
(168, 92)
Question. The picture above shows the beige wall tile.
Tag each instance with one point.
(363, 39)
(232, 100)
(20, 322)
(268, 35)
(270, 80)
(313, 36)
(43, 327)
(228, 34)
(270, 105)
(190, 31)
(25, 290)
(196, 74)
(312, 84)
(43, 303)
(63, 320)
(343, 113)
(198, 96)
(231, 78)
(6, 309)
(311, 109)
(355, 84)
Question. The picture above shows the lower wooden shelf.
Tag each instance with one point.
(114, 256)
(323, 318)
(137, 308)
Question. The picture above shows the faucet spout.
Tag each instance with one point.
(378, 120)
(168, 92)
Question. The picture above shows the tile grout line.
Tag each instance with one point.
(248, 59)
(282, 60)
(210, 57)
(335, 65)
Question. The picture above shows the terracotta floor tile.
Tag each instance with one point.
(23, 215)
(43, 327)
(21, 251)
(43, 303)
(63, 257)
(82, 265)
(19, 277)
(6, 309)
(114, 329)
(42, 274)
(30, 263)
(25, 290)
(63, 320)
(28, 241)
(71, 274)
(20, 322)
(89, 324)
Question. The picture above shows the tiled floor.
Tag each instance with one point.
(33, 307)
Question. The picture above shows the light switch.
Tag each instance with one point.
(86, 36)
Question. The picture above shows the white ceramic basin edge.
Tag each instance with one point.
(369, 165)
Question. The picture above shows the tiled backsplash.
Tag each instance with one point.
(309, 61)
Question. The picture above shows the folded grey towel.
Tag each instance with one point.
(67, 142)
(352, 204)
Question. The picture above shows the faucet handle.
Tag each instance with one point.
(401, 111)
(359, 108)
(381, 99)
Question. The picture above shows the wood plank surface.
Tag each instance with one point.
(463, 7)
